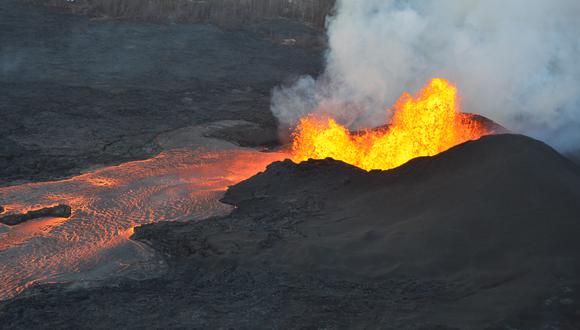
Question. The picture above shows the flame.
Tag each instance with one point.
(425, 125)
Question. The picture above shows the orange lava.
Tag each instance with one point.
(107, 204)
(425, 125)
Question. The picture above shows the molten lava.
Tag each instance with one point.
(180, 184)
(425, 125)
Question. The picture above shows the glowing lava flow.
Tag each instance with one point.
(425, 125)
(93, 243)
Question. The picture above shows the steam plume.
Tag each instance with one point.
(514, 61)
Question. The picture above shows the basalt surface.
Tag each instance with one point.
(226, 13)
(58, 211)
(77, 93)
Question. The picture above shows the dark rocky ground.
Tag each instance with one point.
(574, 156)
(483, 236)
(76, 92)
(58, 211)
(225, 13)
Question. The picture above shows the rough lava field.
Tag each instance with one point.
(315, 245)
(186, 212)
(78, 92)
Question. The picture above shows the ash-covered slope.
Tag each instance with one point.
(483, 236)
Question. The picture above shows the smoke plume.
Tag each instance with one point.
(514, 61)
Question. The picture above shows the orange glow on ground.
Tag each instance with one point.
(106, 205)
(424, 125)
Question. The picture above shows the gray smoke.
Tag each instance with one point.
(514, 61)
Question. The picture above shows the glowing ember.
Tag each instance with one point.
(425, 125)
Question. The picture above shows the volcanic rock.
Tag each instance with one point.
(482, 236)
(64, 114)
(574, 156)
(59, 211)
(226, 13)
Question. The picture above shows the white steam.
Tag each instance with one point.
(514, 61)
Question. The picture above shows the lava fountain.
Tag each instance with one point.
(424, 125)
(186, 184)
